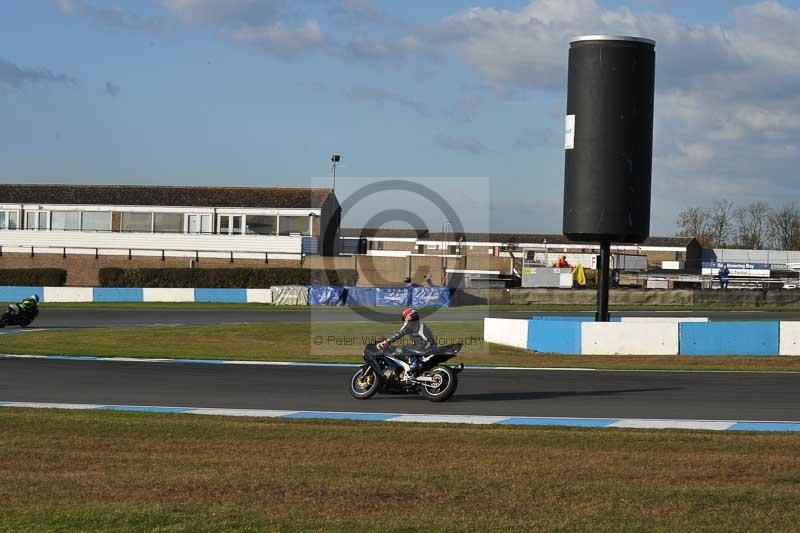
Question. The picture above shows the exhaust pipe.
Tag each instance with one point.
(458, 368)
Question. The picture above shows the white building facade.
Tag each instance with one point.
(235, 222)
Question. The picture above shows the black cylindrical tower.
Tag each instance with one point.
(609, 139)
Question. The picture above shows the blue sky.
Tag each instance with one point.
(261, 92)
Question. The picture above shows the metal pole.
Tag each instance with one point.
(603, 282)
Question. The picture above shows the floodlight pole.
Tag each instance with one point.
(335, 158)
(603, 282)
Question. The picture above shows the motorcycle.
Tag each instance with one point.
(21, 318)
(385, 371)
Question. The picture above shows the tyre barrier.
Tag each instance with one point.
(279, 295)
(646, 336)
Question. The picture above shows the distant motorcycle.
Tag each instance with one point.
(19, 317)
(386, 372)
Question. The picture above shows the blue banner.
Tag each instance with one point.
(393, 296)
(326, 295)
(361, 296)
(430, 297)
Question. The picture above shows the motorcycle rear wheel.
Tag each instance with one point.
(446, 387)
(364, 383)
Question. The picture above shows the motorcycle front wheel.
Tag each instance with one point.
(445, 384)
(364, 383)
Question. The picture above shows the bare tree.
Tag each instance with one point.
(784, 225)
(694, 222)
(752, 225)
(720, 219)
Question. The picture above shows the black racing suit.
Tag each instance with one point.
(421, 337)
(28, 304)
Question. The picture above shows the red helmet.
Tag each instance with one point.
(410, 314)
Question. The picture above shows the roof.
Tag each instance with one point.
(385, 233)
(167, 196)
(490, 237)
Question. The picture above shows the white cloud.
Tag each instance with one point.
(114, 16)
(275, 26)
(280, 39)
(382, 96)
(361, 10)
(218, 12)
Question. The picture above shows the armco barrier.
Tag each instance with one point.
(111, 294)
(392, 296)
(290, 295)
(360, 297)
(790, 338)
(647, 338)
(67, 294)
(555, 336)
(430, 297)
(326, 295)
(259, 296)
(168, 295)
(730, 338)
(221, 295)
(506, 331)
(16, 294)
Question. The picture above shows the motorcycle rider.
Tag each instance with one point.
(421, 336)
(26, 305)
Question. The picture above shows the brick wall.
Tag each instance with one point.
(82, 270)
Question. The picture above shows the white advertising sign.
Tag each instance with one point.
(569, 132)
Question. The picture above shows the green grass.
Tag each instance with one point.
(335, 342)
(105, 471)
(306, 341)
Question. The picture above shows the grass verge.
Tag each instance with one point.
(336, 342)
(103, 471)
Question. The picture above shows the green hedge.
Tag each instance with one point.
(37, 277)
(223, 278)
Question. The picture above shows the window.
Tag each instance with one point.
(36, 220)
(198, 223)
(96, 221)
(65, 220)
(290, 225)
(230, 224)
(138, 222)
(262, 225)
(168, 222)
(8, 219)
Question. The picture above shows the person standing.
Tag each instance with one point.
(724, 276)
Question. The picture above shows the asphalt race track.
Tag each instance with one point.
(556, 393)
(100, 317)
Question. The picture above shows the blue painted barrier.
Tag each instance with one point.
(430, 297)
(14, 294)
(326, 295)
(117, 294)
(730, 338)
(235, 296)
(555, 336)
